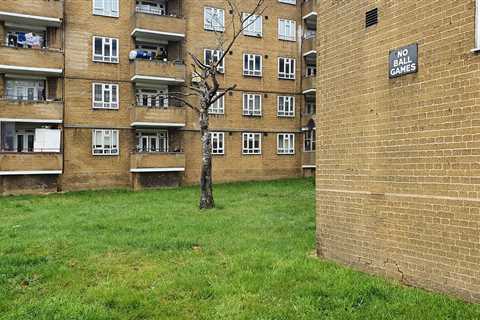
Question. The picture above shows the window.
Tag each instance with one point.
(310, 107)
(218, 142)
(24, 140)
(253, 25)
(252, 104)
(218, 107)
(287, 30)
(24, 89)
(212, 56)
(286, 106)
(310, 71)
(252, 143)
(106, 8)
(105, 49)
(288, 1)
(214, 19)
(105, 142)
(152, 141)
(152, 97)
(286, 143)
(286, 68)
(310, 140)
(252, 65)
(105, 96)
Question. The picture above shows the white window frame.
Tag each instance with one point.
(218, 26)
(25, 89)
(103, 149)
(145, 139)
(216, 55)
(286, 106)
(253, 25)
(108, 8)
(107, 89)
(220, 138)
(289, 67)
(282, 29)
(218, 107)
(106, 57)
(288, 146)
(250, 108)
(309, 135)
(251, 60)
(248, 143)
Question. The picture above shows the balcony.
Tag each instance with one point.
(150, 25)
(158, 72)
(33, 12)
(30, 163)
(308, 159)
(41, 62)
(32, 111)
(157, 162)
(309, 85)
(309, 48)
(309, 11)
(158, 117)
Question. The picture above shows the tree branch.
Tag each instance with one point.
(220, 95)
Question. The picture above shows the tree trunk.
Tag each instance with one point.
(206, 198)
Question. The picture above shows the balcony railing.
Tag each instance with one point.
(170, 27)
(156, 11)
(29, 161)
(157, 160)
(308, 158)
(42, 8)
(308, 45)
(309, 83)
(308, 7)
(28, 109)
(43, 59)
(171, 115)
(158, 71)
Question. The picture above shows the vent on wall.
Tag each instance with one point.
(371, 18)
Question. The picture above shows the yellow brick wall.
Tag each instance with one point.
(398, 160)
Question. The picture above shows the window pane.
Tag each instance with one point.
(114, 48)
(98, 46)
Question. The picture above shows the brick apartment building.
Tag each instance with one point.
(398, 158)
(84, 85)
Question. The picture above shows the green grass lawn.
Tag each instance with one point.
(153, 255)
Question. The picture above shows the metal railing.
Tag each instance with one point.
(159, 102)
(156, 11)
(172, 151)
(31, 152)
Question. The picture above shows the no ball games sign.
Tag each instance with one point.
(403, 61)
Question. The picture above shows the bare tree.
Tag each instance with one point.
(206, 87)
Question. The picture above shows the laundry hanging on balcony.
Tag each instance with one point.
(140, 54)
